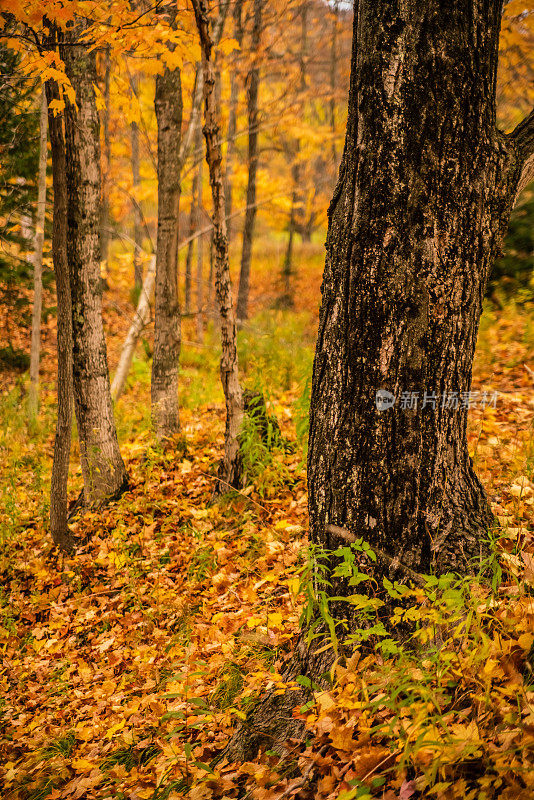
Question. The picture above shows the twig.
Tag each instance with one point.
(394, 562)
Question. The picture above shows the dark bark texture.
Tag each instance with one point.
(424, 194)
(60, 465)
(250, 213)
(164, 387)
(423, 198)
(102, 466)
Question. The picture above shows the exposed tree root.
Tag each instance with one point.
(271, 722)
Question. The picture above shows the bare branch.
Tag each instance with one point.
(523, 138)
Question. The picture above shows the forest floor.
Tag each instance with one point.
(126, 667)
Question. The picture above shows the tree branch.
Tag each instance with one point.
(523, 138)
(387, 560)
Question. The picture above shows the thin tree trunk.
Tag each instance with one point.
(104, 208)
(136, 181)
(60, 465)
(194, 222)
(33, 397)
(287, 299)
(200, 243)
(232, 121)
(103, 470)
(250, 214)
(211, 303)
(140, 321)
(164, 387)
(333, 76)
(231, 467)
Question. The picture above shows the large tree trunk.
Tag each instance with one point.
(62, 442)
(250, 213)
(423, 199)
(230, 473)
(424, 195)
(102, 466)
(168, 103)
(33, 396)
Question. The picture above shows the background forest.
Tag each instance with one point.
(136, 633)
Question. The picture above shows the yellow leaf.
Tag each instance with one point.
(56, 106)
(227, 46)
(83, 765)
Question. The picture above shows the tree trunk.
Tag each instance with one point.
(102, 466)
(194, 222)
(287, 300)
(140, 321)
(250, 213)
(33, 397)
(230, 473)
(106, 162)
(425, 191)
(333, 75)
(136, 182)
(232, 121)
(424, 195)
(199, 319)
(62, 442)
(164, 389)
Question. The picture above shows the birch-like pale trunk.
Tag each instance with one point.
(35, 351)
(139, 323)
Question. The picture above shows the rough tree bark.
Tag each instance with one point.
(103, 470)
(423, 199)
(250, 213)
(231, 468)
(106, 164)
(173, 151)
(35, 350)
(60, 465)
(164, 386)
